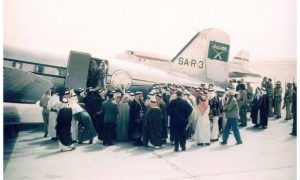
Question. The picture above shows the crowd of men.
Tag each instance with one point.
(77, 115)
(267, 102)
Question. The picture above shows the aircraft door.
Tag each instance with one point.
(77, 70)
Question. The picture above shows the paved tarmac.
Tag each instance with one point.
(265, 154)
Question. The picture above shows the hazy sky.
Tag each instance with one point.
(266, 28)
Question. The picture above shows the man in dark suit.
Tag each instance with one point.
(110, 110)
(179, 111)
(294, 110)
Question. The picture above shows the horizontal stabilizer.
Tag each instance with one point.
(243, 74)
(20, 86)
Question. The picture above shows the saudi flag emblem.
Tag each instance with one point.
(218, 51)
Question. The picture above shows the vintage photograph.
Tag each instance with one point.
(149, 90)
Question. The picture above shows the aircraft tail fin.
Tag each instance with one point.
(205, 57)
(240, 62)
(239, 66)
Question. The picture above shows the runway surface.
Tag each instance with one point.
(265, 154)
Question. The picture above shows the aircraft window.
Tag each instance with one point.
(17, 65)
(28, 67)
(62, 72)
(130, 52)
(41, 69)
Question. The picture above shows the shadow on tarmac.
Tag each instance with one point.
(121, 145)
(92, 147)
(291, 138)
(170, 153)
(272, 119)
(10, 131)
(49, 143)
(9, 141)
(34, 139)
(48, 155)
(284, 121)
(35, 130)
(138, 151)
(254, 129)
(195, 147)
(166, 155)
(222, 147)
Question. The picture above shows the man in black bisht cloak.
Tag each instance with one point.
(87, 99)
(260, 108)
(153, 125)
(63, 126)
(162, 105)
(93, 103)
(136, 119)
(179, 111)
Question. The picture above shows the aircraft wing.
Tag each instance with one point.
(235, 74)
(20, 86)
